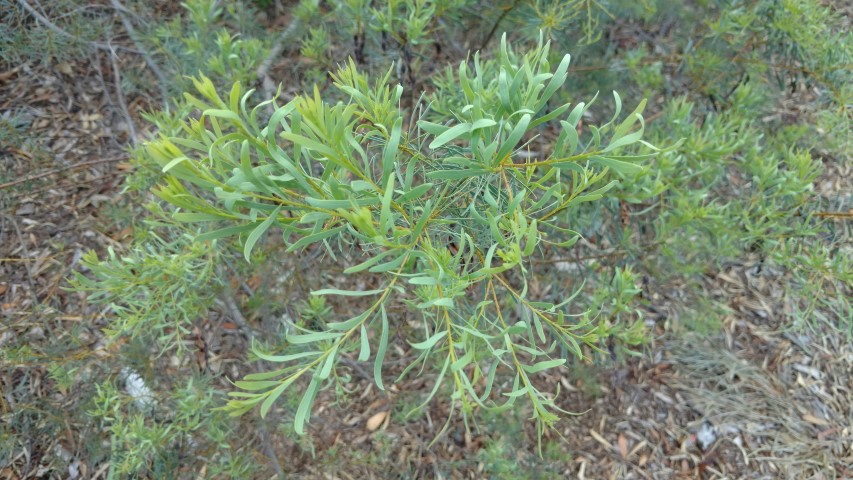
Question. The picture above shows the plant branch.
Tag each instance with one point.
(284, 38)
(161, 78)
(500, 19)
(120, 96)
(55, 29)
(230, 303)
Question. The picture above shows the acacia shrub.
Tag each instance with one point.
(449, 214)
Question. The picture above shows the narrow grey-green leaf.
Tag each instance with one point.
(311, 145)
(257, 232)
(271, 398)
(281, 358)
(391, 264)
(380, 351)
(544, 365)
(328, 364)
(556, 82)
(298, 339)
(516, 393)
(389, 153)
(512, 140)
(629, 121)
(451, 134)
(226, 114)
(348, 324)
(423, 280)
(191, 217)
(576, 114)
(386, 222)
(174, 162)
(550, 115)
(432, 128)
(625, 140)
(617, 165)
(462, 361)
(414, 193)
(347, 293)
(331, 203)
(268, 375)
(224, 232)
(314, 217)
(537, 324)
(455, 174)
(503, 90)
(430, 342)
(483, 123)
(438, 383)
(314, 237)
(364, 354)
(368, 263)
(305, 404)
(256, 385)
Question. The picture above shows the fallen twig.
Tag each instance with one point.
(285, 38)
(161, 78)
(270, 452)
(357, 368)
(834, 214)
(120, 95)
(230, 304)
(55, 29)
(498, 23)
(60, 170)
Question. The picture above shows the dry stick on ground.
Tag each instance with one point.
(120, 95)
(52, 26)
(230, 303)
(59, 170)
(364, 374)
(51, 188)
(834, 214)
(269, 452)
(161, 79)
(497, 24)
(266, 444)
(285, 38)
